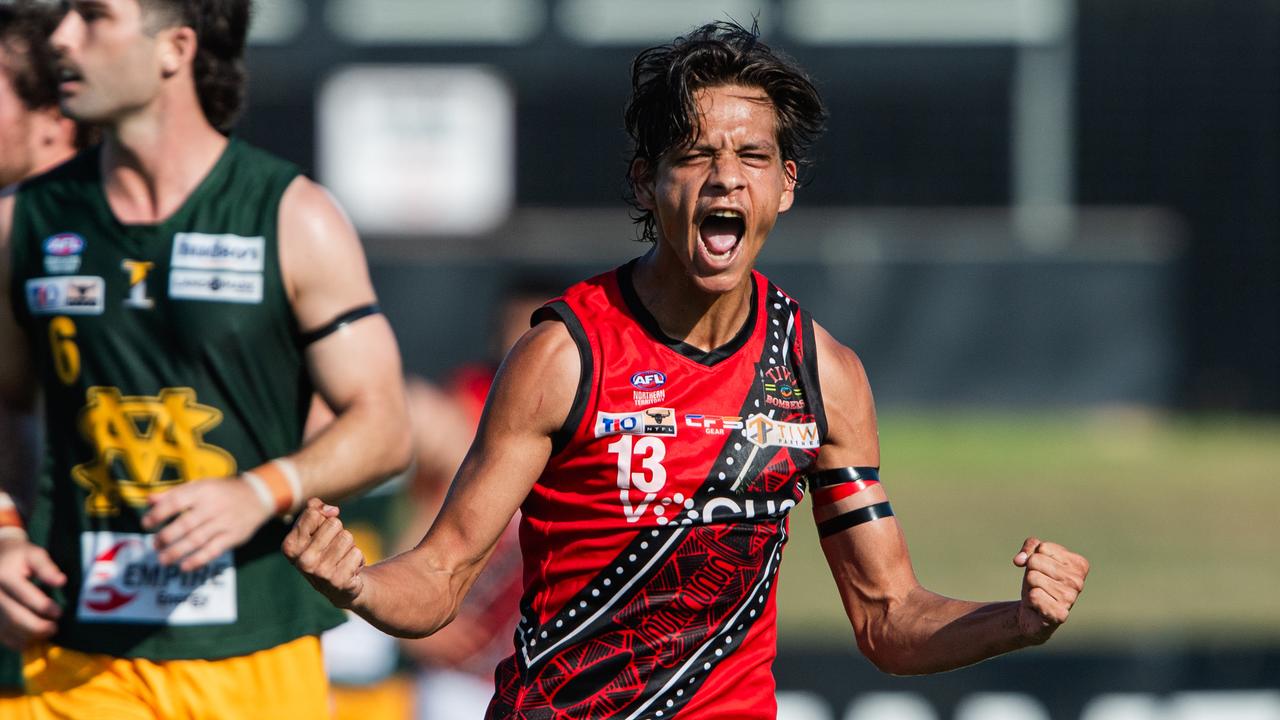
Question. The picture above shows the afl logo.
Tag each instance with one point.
(63, 245)
(648, 380)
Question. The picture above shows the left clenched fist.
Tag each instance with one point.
(1053, 580)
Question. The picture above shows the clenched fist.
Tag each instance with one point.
(326, 554)
(1053, 580)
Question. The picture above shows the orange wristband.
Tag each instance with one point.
(277, 484)
(10, 520)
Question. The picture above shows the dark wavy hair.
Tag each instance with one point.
(222, 30)
(29, 59)
(662, 112)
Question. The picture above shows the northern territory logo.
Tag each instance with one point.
(652, 421)
(648, 386)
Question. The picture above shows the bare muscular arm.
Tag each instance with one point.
(899, 625)
(26, 612)
(419, 591)
(356, 370)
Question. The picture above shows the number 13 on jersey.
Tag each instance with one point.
(648, 481)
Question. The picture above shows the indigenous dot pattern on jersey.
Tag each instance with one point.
(662, 520)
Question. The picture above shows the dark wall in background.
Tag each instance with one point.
(1177, 106)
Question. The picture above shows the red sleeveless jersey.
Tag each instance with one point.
(652, 540)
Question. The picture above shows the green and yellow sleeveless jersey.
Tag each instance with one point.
(167, 353)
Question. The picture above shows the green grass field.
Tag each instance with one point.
(1180, 518)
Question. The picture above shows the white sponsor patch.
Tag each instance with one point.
(764, 431)
(654, 421)
(200, 251)
(56, 265)
(69, 295)
(124, 582)
(216, 286)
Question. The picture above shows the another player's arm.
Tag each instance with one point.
(356, 369)
(26, 613)
(899, 625)
(419, 591)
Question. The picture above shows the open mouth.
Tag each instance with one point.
(720, 232)
(67, 75)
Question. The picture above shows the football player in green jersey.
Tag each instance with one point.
(175, 296)
(34, 137)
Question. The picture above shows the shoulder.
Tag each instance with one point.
(840, 369)
(834, 357)
(538, 381)
(845, 390)
(306, 201)
(547, 346)
(319, 247)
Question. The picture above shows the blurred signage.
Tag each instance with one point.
(415, 22)
(276, 22)
(418, 149)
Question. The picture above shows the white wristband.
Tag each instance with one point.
(260, 489)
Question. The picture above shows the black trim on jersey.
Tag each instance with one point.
(339, 322)
(651, 326)
(577, 641)
(809, 374)
(559, 310)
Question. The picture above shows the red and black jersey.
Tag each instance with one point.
(652, 540)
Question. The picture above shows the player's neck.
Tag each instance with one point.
(152, 162)
(686, 312)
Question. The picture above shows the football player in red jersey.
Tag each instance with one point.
(656, 426)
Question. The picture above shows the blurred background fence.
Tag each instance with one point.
(1049, 228)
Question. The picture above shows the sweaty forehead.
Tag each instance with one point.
(736, 108)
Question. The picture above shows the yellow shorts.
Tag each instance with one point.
(390, 699)
(286, 681)
(13, 706)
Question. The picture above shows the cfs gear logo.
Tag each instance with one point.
(648, 387)
(713, 424)
(764, 432)
(781, 389)
(145, 445)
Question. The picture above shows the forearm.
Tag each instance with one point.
(926, 633)
(410, 596)
(364, 445)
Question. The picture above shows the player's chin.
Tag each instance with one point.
(719, 283)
